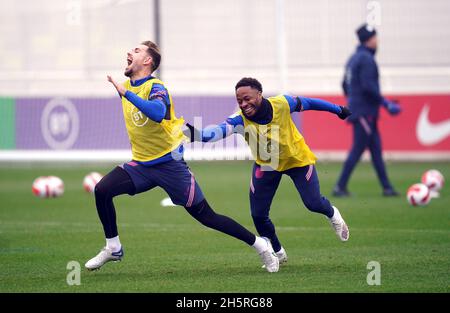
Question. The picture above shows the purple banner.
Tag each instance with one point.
(212, 109)
(97, 123)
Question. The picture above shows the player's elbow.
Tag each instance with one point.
(158, 118)
(159, 114)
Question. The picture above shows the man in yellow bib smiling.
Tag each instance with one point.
(157, 148)
(278, 148)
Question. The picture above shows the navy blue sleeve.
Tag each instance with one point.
(153, 109)
(347, 78)
(317, 105)
(344, 86)
(369, 79)
(160, 92)
(293, 103)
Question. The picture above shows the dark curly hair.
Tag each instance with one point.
(249, 82)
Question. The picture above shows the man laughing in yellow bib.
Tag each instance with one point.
(157, 148)
(278, 148)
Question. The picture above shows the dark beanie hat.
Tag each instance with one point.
(365, 32)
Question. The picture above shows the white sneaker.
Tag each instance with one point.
(269, 258)
(104, 256)
(282, 256)
(339, 225)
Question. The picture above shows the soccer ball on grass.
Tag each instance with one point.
(48, 187)
(418, 195)
(90, 180)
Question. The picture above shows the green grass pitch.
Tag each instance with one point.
(168, 251)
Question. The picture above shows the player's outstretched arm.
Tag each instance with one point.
(192, 133)
(153, 109)
(208, 134)
(345, 112)
(298, 104)
(120, 89)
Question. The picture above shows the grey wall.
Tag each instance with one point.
(67, 47)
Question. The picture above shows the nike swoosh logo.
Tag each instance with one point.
(429, 133)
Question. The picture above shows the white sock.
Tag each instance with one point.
(260, 244)
(113, 244)
(280, 251)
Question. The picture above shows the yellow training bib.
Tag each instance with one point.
(150, 140)
(278, 144)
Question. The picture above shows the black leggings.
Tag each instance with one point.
(118, 182)
(203, 213)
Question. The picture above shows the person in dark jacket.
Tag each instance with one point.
(362, 89)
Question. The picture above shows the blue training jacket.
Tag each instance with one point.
(361, 85)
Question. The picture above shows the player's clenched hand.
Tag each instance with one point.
(120, 89)
(192, 133)
(345, 112)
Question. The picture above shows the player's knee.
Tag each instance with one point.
(201, 211)
(101, 190)
(259, 211)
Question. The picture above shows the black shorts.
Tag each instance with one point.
(172, 176)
